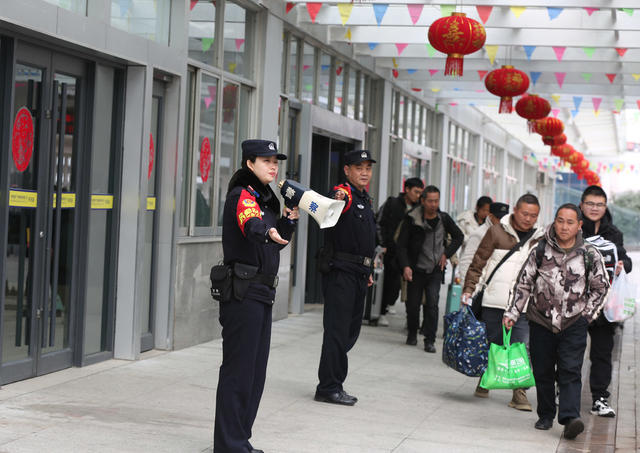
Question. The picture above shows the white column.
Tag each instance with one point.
(444, 154)
(479, 161)
(385, 150)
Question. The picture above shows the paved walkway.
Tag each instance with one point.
(409, 402)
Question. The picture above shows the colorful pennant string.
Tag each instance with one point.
(433, 72)
(313, 9)
(590, 11)
(535, 75)
(577, 100)
(380, 9)
(529, 51)
(373, 45)
(484, 12)
(431, 51)
(518, 10)
(206, 43)
(481, 74)
(446, 10)
(345, 11)
(559, 52)
(586, 76)
(589, 51)
(288, 7)
(621, 51)
(554, 12)
(611, 77)
(415, 10)
(492, 51)
(401, 46)
(560, 78)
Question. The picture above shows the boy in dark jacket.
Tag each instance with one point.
(392, 213)
(422, 255)
(598, 229)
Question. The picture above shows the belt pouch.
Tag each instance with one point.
(221, 285)
(243, 276)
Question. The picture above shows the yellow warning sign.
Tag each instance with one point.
(151, 203)
(68, 200)
(23, 199)
(101, 201)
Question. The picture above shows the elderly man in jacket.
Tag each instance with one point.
(519, 227)
(422, 255)
(562, 286)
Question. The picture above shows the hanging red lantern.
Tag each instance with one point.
(555, 141)
(562, 151)
(457, 36)
(583, 165)
(549, 127)
(574, 158)
(506, 82)
(532, 107)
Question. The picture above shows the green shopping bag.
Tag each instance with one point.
(508, 366)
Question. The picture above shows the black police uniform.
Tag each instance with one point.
(345, 285)
(250, 210)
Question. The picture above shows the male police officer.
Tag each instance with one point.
(351, 246)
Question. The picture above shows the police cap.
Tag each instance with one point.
(357, 156)
(260, 148)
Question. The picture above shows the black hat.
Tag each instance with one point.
(357, 156)
(499, 209)
(260, 148)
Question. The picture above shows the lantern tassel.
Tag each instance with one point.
(506, 104)
(454, 64)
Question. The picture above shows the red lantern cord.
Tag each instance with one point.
(532, 107)
(506, 82)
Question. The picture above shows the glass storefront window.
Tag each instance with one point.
(351, 103)
(409, 134)
(202, 31)
(77, 6)
(339, 87)
(394, 112)
(225, 167)
(308, 71)
(236, 57)
(293, 68)
(401, 115)
(146, 18)
(206, 133)
(323, 82)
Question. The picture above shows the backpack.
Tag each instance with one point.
(588, 257)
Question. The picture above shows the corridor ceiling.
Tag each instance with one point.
(583, 56)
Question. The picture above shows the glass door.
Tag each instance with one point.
(38, 308)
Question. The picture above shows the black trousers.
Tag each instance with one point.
(344, 296)
(602, 333)
(564, 351)
(246, 336)
(392, 283)
(428, 284)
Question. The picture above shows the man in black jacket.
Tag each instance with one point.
(392, 213)
(422, 255)
(599, 230)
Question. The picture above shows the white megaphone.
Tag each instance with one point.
(325, 211)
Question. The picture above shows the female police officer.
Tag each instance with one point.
(252, 236)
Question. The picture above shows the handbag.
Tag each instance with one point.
(476, 300)
(221, 282)
(465, 346)
(621, 303)
(508, 366)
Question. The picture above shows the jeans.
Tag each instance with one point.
(428, 284)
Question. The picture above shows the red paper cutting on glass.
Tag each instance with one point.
(151, 156)
(205, 159)
(22, 139)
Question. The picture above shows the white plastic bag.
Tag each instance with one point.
(621, 303)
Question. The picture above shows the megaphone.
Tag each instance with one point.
(325, 211)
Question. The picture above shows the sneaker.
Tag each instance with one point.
(391, 311)
(519, 400)
(601, 408)
(573, 428)
(383, 321)
(481, 392)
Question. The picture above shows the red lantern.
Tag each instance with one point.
(506, 82)
(457, 36)
(549, 127)
(532, 107)
(574, 158)
(562, 151)
(555, 141)
(583, 165)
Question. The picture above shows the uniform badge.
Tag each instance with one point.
(272, 147)
(363, 155)
(248, 202)
(360, 206)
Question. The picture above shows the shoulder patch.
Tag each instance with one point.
(348, 197)
(246, 209)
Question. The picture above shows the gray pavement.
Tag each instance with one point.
(409, 402)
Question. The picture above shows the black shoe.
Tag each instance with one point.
(253, 450)
(412, 340)
(429, 347)
(335, 398)
(572, 428)
(346, 395)
(544, 423)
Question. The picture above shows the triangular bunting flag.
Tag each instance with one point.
(629, 11)
(395, 63)
(289, 6)
(395, 73)
(638, 102)
(529, 51)
(414, 12)
(453, 104)
(193, 3)
(554, 12)
(518, 10)
(232, 67)
(239, 43)
(347, 35)
(417, 90)
(560, 78)
(373, 45)
(401, 47)
(589, 51)
(380, 9)
(206, 44)
(435, 90)
(586, 76)
(596, 103)
(305, 67)
(574, 113)
(559, 52)
(621, 51)
(313, 9)
(618, 103)
(577, 100)
(484, 12)
(411, 71)
(535, 75)
(433, 72)
(431, 51)
(446, 10)
(611, 77)
(555, 112)
(590, 11)
(481, 74)
(345, 11)
(556, 98)
(492, 51)
(636, 76)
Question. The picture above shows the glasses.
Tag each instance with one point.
(592, 205)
